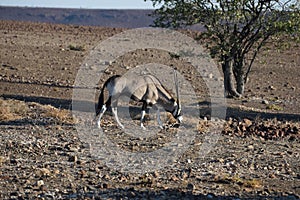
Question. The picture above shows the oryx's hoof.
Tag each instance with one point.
(176, 125)
(143, 127)
(98, 125)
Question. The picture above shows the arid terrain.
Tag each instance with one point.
(42, 156)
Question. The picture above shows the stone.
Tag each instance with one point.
(266, 102)
(40, 183)
(247, 122)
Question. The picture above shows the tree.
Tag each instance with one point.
(236, 29)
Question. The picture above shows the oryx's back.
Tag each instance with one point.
(147, 88)
(160, 89)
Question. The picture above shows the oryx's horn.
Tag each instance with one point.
(177, 89)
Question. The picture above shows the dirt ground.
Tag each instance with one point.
(41, 156)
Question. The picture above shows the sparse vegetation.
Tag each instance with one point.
(274, 107)
(252, 183)
(249, 183)
(76, 47)
(60, 115)
(12, 110)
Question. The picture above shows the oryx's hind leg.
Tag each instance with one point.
(158, 116)
(115, 112)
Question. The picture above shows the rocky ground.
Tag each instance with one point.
(254, 154)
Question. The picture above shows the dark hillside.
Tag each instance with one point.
(93, 17)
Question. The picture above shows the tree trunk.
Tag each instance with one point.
(240, 83)
(229, 79)
(239, 76)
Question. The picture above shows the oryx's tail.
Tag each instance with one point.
(101, 96)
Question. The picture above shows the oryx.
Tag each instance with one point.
(144, 88)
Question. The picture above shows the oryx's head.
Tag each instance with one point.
(177, 106)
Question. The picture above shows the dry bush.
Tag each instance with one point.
(274, 107)
(76, 47)
(12, 110)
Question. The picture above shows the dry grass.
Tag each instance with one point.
(12, 110)
(60, 115)
(248, 183)
(274, 107)
(253, 183)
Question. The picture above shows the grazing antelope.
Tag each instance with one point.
(145, 88)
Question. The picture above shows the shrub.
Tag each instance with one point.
(76, 47)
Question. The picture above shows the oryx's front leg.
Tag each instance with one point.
(158, 116)
(101, 113)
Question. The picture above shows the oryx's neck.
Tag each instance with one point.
(168, 105)
(166, 100)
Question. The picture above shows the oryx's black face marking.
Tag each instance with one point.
(177, 112)
(150, 91)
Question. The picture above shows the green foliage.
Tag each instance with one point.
(235, 30)
(236, 25)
